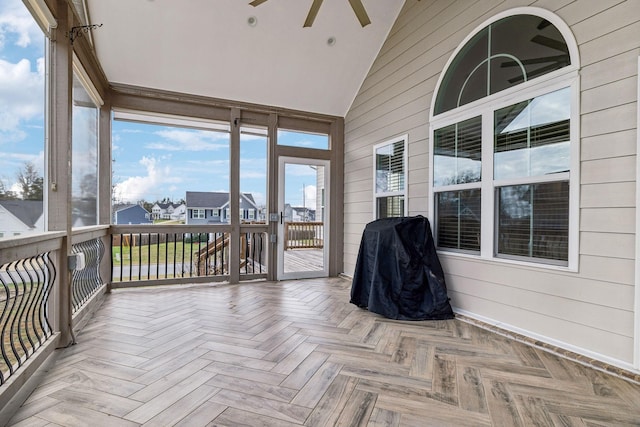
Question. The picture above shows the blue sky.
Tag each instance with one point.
(151, 162)
(21, 91)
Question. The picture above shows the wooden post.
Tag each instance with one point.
(59, 165)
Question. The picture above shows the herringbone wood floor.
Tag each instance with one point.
(297, 353)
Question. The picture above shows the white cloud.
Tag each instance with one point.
(21, 97)
(21, 89)
(12, 160)
(16, 19)
(187, 140)
(146, 187)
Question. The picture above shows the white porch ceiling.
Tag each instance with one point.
(207, 47)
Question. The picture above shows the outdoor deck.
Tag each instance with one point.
(303, 260)
(298, 353)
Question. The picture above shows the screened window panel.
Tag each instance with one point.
(392, 206)
(84, 154)
(390, 168)
(458, 153)
(458, 220)
(533, 220)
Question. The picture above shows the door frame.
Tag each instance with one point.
(282, 161)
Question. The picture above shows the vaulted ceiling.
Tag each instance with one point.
(231, 50)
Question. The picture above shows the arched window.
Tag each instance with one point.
(504, 142)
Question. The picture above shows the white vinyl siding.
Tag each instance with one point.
(589, 310)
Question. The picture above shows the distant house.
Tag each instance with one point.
(131, 214)
(19, 217)
(169, 211)
(299, 214)
(206, 207)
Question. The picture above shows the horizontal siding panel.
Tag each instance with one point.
(418, 161)
(358, 175)
(593, 339)
(610, 145)
(614, 245)
(616, 68)
(358, 212)
(418, 206)
(418, 189)
(623, 40)
(613, 270)
(429, 18)
(545, 282)
(608, 220)
(359, 163)
(375, 132)
(552, 5)
(616, 119)
(616, 195)
(594, 316)
(623, 14)
(580, 11)
(361, 196)
(618, 169)
(610, 95)
(417, 83)
(395, 110)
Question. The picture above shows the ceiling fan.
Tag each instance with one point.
(356, 5)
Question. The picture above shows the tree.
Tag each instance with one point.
(30, 183)
(6, 194)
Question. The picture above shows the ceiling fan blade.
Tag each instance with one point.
(543, 24)
(255, 3)
(360, 12)
(550, 43)
(542, 60)
(315, 7)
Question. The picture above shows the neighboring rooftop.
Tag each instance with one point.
(27, 211)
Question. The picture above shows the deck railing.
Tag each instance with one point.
(87, 281)
(303, 235)
(27, 277)
(183, 253)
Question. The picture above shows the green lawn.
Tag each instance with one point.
(151, 254)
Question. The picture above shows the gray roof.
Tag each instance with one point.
(211, 199)
(118, 208)
(206, 199)
(27, 211)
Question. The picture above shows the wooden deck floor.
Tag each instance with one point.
(297, 353)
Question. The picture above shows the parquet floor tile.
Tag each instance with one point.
(296, 353)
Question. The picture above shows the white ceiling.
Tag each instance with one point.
(206, 47)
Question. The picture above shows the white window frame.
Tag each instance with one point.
(565, 77)
(405, 160)
(198, 214)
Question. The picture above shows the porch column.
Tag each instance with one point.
(234, 196)
(58, 193)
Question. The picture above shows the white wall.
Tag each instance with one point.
(590, 311)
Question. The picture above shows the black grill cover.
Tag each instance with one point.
(398, 274)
